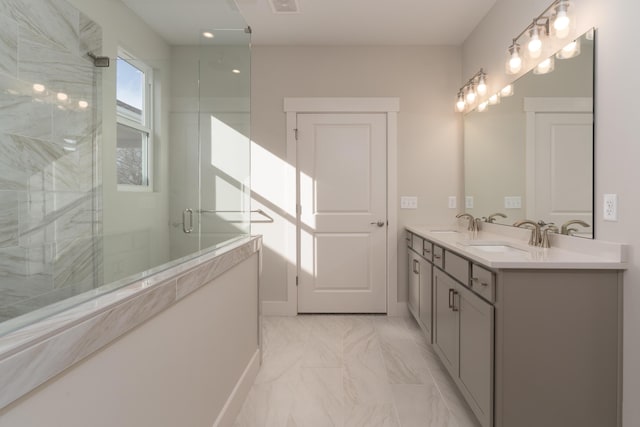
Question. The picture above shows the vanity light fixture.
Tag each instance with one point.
(555, 15)
(483, 106)
(468, 93)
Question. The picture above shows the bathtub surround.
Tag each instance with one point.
(36, 354)
(50, 191)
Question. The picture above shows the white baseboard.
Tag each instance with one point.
(278, 308)
(400, 309)
(236, 399)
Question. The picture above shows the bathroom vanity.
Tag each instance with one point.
(531, 336)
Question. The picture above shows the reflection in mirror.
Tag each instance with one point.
(531, 155)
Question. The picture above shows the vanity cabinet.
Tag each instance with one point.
(414, 285)
(420, 282)
(526, 347)
(463, 338)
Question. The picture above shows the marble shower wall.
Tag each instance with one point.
(50, 188)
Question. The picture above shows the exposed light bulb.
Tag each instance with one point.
(460, 104)
(494, 99)
(471, 95)
(535, 44)
(39, 88)
(514, 62)
(544, 67)
(569, 50)
(562, 20)
(506, 91)
(482, 85)
(482, 106)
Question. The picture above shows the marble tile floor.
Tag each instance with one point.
(351, 370)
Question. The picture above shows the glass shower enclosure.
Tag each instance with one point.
(112, 173)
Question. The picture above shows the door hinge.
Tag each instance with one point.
(295, 133)
(296, 280)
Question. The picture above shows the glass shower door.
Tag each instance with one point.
(224, 212)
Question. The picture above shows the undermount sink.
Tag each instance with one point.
(493, 247)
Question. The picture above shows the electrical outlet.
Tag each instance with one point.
(610, 212)
(468, 202)
(452, 202)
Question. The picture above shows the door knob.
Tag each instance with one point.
(378, 223)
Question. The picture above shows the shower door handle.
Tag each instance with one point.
(184, 220)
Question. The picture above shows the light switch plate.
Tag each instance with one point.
(452, 202)
(610, 208)
(408, 202)
(513, 202)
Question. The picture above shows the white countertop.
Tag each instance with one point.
(565, 252)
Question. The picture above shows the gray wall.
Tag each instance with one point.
(617, 149)
(429, 132)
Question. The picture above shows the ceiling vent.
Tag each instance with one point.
(284, 6)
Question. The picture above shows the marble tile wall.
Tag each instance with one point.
(50, 189)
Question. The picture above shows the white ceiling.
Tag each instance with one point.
(319, 22)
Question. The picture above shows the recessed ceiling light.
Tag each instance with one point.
(62, 96)
(235, 71)
(37, 87)
(208, 34)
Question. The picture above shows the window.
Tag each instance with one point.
(134, 129)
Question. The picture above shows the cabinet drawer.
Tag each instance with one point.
(457, 267)
(427, 250)
(416, 243)
(483, 282)
(438, 256)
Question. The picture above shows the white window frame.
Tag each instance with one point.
(147, 121)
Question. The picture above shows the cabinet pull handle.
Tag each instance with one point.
(453, 306)
(427, 251)
(451, 298)
(437, 256)
(416, 266)
(484, 284)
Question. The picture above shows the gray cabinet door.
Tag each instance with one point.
(426, 293)
(446, 327)
(476, 353)
(414, 285)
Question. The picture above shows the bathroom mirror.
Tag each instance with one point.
(531, 155)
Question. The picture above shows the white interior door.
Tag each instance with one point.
(564, 163)
(342, 225)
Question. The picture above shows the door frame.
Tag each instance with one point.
(533, 106)
(388, 106)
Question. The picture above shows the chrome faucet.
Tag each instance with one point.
(535, 239)
(473, 225)
(550, 228)
(565, 227)
(492, 218)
